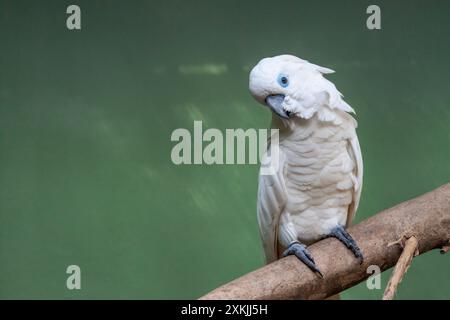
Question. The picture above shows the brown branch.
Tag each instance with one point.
(409, 251)
(427, 218)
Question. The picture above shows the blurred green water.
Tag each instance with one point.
(86, 118)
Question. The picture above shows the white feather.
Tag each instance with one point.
(318, 185)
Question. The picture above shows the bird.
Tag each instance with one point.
(315, 192)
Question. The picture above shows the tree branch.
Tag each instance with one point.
(426, 217)
(403, 263)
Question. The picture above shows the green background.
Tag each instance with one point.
(86, 116)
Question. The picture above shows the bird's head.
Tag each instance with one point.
(292, 87)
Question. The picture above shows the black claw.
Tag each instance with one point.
(300, 251)
(342, 235)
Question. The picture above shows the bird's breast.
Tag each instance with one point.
(318, 171)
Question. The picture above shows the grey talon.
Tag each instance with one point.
(342, 235)
(302, 253)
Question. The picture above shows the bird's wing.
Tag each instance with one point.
(357, 176)
(271, 201)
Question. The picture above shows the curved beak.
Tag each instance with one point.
(275, 102)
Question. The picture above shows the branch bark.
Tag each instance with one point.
(403, 263)
(426, 217)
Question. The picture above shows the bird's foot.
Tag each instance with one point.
(342, 235)
(300, 251)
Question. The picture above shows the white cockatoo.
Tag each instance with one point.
(316, 190)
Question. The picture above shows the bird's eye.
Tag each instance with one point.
(283, 80)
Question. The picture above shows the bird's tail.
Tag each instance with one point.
(334, 297)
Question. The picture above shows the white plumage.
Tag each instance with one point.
(319, 181)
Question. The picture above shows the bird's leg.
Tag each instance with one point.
(301, 252)
(342, 235)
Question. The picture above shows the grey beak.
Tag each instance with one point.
(275, 102)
